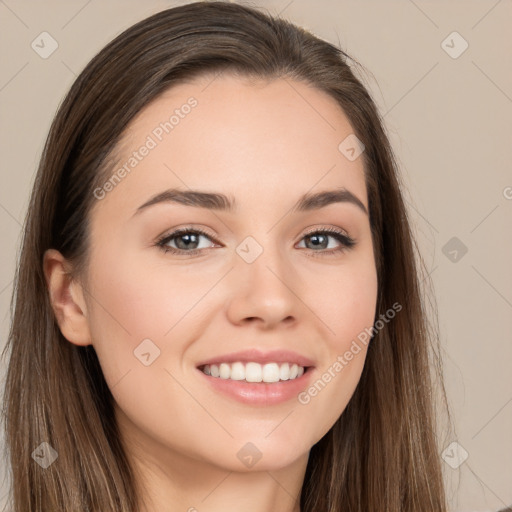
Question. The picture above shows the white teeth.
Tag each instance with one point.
(284, 371)
(237, 371)
(271, 372)
(224, 371)
(255, 372)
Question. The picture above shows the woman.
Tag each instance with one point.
(218, 303)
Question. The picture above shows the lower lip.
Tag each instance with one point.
(260, 393)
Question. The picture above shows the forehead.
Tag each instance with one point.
(248, 138)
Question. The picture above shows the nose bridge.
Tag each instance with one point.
(263, 262)
(262, 282)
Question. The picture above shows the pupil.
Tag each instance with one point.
(315, 240)
(188, 240)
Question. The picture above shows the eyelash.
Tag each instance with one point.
(345, 241)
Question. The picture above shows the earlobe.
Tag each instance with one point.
(67, 299)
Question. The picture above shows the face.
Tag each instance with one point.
(273, 279)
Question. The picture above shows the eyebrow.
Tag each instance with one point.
(221, 202)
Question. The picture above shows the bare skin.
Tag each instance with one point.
(264, 144)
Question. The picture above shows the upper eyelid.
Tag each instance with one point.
(329, 229)
(205, 231)
(173, 233)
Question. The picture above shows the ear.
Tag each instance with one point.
(67, 299)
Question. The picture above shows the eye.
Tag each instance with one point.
(185, 239)
(319, 240)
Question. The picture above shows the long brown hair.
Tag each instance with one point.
(382, 453)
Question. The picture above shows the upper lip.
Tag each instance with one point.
(261, 357)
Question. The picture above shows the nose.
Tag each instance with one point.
(263, 292)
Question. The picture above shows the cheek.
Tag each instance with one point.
(348, 303)
(146, 302)
(347, 309)
(132, 302)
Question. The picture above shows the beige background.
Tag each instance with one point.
(450, 122)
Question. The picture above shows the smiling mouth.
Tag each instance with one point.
(255, 372)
